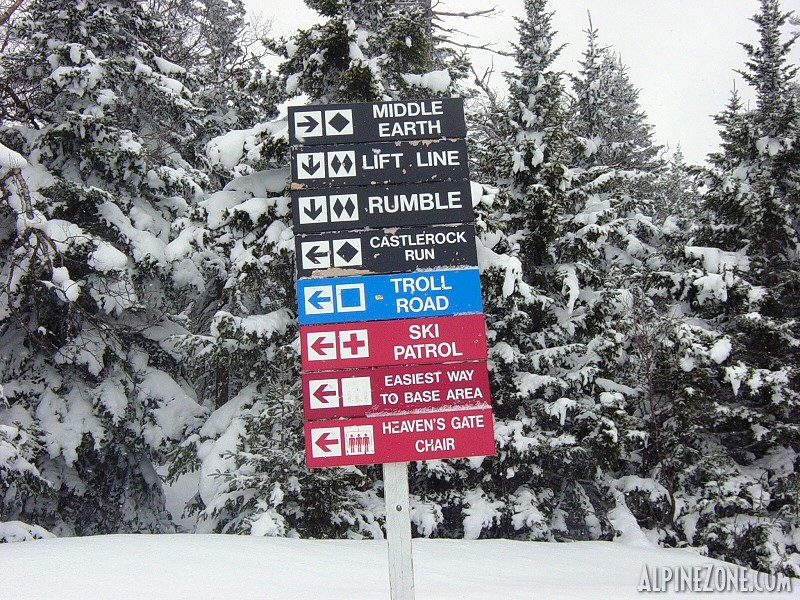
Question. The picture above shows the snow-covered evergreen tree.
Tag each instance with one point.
(611, 128)
(551, 433)
(741, 279)
(368, 51)
(89, 295)
(677, 191)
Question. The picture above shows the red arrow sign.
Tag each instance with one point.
(401, 438)
(326, 441)
(390, 343)
(320, 346)
(368, 392)
(322, 393)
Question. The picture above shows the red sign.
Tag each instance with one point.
(400, 438)
(367, 392)
(390, 343)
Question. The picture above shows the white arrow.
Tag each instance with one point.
(313, 209)
(310, 165)
(315, 255)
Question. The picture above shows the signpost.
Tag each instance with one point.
(393, 343)
(379, 163)
(385, 250)
(400, 438)
(377, 121)
(367, 392)
(433, 203)
(381, 297)
(392, 337)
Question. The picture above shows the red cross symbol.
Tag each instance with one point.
(353, 344)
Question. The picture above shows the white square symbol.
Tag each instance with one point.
(323, 393)
(315, 255)
(307, 124)
(353, 344)
(350, 298)
(356, 391)
(310, 165)
(312, 209)
(318, 299)
(321, 345)
(359, 439)
(326, 441)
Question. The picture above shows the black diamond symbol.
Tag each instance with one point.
(339, 207)
(348, 252)
(336, 164)
(348, 164)
(339, 122)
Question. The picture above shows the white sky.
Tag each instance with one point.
(681, 54)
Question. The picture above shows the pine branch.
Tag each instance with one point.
(486, 12)
(482, 81)
(11, 9)
(486, 47)
(21, 105)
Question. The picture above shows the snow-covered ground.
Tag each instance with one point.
(199, 567)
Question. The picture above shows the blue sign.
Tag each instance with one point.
(385, 297)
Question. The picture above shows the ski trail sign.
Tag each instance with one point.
(393, 343)
(383, 297)
(378, 163)
(400, 438)
(394, 250)
(431, 118)
(361, 207)
(407, 388)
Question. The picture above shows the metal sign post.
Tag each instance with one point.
(398, 531)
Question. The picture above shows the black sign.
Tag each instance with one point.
(377, 163)
(395, 250)
(432, 118)
(382, 206)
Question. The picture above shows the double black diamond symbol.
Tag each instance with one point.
(340, 208)
(337, 164)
